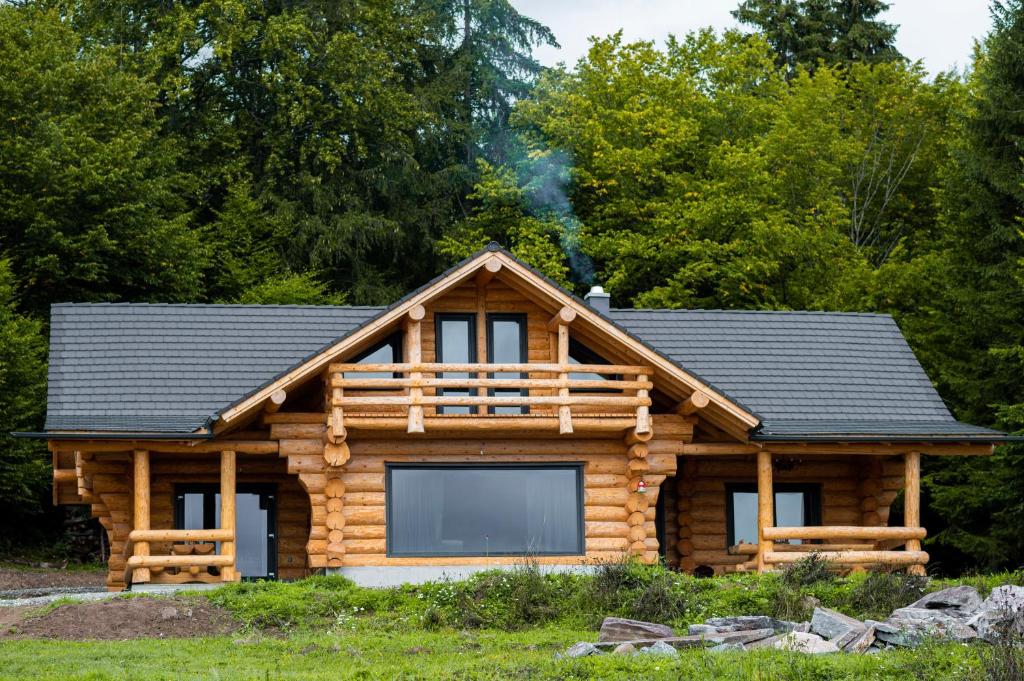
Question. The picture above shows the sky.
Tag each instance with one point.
(941, 33)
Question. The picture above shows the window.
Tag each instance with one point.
(581, 354)
(506, 344)
(795, 506)
(455, 344)
(388, 352)
(487, 510)
(197, 507)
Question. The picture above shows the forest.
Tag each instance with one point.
(324, 152)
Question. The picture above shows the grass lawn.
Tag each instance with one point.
(368, 653)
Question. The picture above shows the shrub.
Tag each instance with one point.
(882, 592)
(807, 571)
(1003, 661)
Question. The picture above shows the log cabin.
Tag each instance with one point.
(488, 416)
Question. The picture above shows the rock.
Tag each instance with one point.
(727, 648)
(617, 629)
(168, 613)
(812, 644)
(744, 637)
(701, 629)
(678, 642)
(957, 601)
(861, 643)
(746, 623)
(835, 626)
(802, 627)
(1001, 615)
(765, 642)
(624, 649)
(582, 649)
(660, 648)
(908, 626)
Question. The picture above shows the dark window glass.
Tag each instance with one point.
(388, 352)
(456, 344)
(484, 510)
(197, 507)
(795, 506)
(581, 354)
(506, 344)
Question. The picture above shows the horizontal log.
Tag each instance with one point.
(493, 423)
(434, 368)
(751, 549)
(472, 382)
(365, 498)
(607, 543)
(605, 513)
(597, 480)
(297, 448)
(182, 535)
(365, 531)
(185, 446)
(298, 431)
(363, 546)
(497, 401)
(363, 515)
(180, 561)
(407, 446)
(843, 532)
(854, 557)
(605, 496)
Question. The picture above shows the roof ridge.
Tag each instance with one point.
(884, 315)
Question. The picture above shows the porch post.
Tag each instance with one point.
(414, 355)
(765, 506)
(228, 573)
(140, 515)
(912, 503)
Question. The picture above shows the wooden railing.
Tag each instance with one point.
(844, 546)
(424, 384)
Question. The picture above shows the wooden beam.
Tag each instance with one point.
(481, 333)
(643, 412)
(564, 410)
(228, 572)
(563, 317)
(831, 532)
(146, 562)
(716, 449)
(487, 272)
(494, 423)
(171, 447)
(414, 355)
(912, 503)
(765, 507)
(908, 558)
(692, 404)
(140, 514)
(274, 402)
(181, 535)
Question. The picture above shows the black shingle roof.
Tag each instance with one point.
(171, 368)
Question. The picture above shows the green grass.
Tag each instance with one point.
(502, 625)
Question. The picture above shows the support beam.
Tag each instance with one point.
(912, 503)
(692, 404)
(140, 516)
(563, 317)
(765, 507)
(274, 402)
(487, 272)
(643, 412)
(414, 355)
(564, 412)
(481, 334)
(228, 572)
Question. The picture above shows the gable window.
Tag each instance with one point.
(506, 344)
(581, 354)
(455, 344)
(796, 505)
(484, 510)
(197, 507)
(387, 352)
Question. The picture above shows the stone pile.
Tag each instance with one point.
(955, 614)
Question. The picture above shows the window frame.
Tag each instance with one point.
(395, 340)
(576, 466)
(210, 491)
(439, 318)
(812, 503)
(524, 351)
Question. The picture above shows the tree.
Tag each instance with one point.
(90, 196)
(837, 32)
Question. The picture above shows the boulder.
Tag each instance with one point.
(659, 648)
(582, 649)
(957, 601)
(618, 629)
(835, 626)
(908, 626)
(861, 643)
(811, 644)
(727, 648)
(746, 623)
(701, 629)
(624, 649)
(743, 637)
(1001, 615)
(678, 642)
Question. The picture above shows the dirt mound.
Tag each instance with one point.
(121, 618)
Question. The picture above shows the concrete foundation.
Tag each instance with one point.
(396, 575)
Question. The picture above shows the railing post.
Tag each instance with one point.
(414, 350)
(765, 506)
(643, 412)
(228, 573)
(912, 503)
(140, 516)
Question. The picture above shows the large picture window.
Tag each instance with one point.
(485, 510)
(796, 505)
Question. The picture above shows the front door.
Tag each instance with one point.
(197, 507)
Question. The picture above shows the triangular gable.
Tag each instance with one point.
(669, 377)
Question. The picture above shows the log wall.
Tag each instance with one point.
(855, 490)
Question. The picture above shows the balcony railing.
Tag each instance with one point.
(843, 546)
(545, 389)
